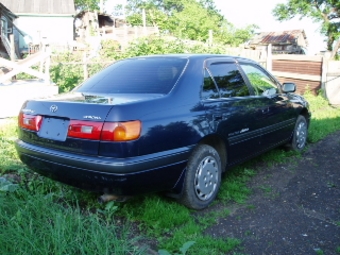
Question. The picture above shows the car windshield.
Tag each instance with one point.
(139, 75)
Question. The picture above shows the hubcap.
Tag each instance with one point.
(206, 178)
(301, 135)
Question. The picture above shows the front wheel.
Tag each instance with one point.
(299, 138)
(203, 178)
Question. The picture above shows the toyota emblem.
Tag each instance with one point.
(53, 108)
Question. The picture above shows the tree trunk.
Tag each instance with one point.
(330, 41)
(335, 49)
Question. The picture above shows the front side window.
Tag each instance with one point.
(144, 75)
(229, 80)
(259, 80)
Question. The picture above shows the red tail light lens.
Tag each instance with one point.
(105, 131)
(85, 129)
(121, 131)
(30, 122)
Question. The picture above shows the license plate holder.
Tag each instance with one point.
(54, 129)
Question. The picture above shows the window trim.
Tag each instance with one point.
(216, 86)
(220, 60)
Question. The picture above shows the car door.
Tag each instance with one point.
(274, 117)
(230, 109)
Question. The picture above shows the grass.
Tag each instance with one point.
(39, 216)
(325, 119)
(35, 224)
(338, 249)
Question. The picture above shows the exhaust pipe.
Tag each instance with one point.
(110, 197)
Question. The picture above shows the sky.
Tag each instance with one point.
(245, 12)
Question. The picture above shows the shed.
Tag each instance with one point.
(283, 42)
(40, 21)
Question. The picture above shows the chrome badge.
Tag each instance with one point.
(53, 108)
(92, 117)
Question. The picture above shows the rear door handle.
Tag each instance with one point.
(222, 116)
(217, 117)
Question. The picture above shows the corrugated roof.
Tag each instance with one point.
(278, 37)
(40, 6)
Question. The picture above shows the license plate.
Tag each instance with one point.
(54, 129)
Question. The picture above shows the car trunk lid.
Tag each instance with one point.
(71, 122)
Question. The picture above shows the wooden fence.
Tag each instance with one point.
(314, 73)
(305, 71)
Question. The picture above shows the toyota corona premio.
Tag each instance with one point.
(169, 123)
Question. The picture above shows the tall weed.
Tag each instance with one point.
(35, 224)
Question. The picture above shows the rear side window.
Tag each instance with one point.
(229, 80)
(143, 75)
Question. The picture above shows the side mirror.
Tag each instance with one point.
(288, 87)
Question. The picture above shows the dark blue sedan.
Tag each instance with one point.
(162, 123)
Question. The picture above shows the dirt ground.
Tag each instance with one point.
(294, 207)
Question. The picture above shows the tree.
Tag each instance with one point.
(187, 19)
(90, 5)
(193, 22)
(325, 11)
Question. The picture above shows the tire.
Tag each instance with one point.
(202, 179)
(300, 132)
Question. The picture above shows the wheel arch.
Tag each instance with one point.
(305, 113)
(219, 145)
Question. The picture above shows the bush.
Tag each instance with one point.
(164, 45)
(67, 68)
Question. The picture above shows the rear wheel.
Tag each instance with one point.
(299, 139)
(203, 178)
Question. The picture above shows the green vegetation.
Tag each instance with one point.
(33, 223)
(325, 119)
(338, 249)
(319, 252)
(67, 68)
(40, 216)
(187, 19)
(198, 20)
(87, 4)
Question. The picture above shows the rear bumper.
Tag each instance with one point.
(126, 176)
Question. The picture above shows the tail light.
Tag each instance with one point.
(85, 129)
(30, 122)
(105, 131)
(121, 131)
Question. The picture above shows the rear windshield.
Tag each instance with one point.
(142, 75)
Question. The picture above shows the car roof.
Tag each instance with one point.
(197, 56)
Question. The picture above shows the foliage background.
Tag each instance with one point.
(67, 67)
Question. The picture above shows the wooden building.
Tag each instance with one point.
(41, 21)
(283, 42)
